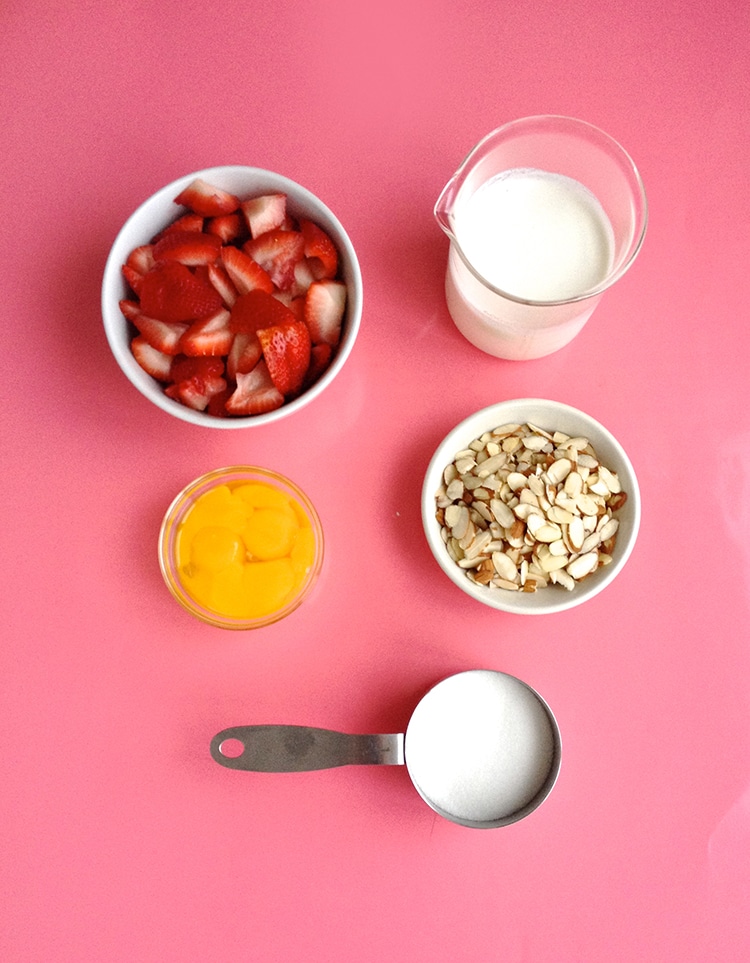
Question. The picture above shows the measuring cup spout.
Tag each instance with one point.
(444, 205)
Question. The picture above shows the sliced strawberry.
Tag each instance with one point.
(264, 213)
(141, 259)
(227, 227)
(217, 403)
(188, 247)
(130, 308)
(171, 292)
(320, 358)
(255, 393)
(208, 336)
(203, 198)
(286, 351)
(244, 354)
(319, 245)
(277, 252)
(188, 222)
(196, 381)
(153, 362)
(163, 335)
(133, 277)
(258, 309)
(219, 278)
(325, 303)
(297, 307)
(304, 275)
(246, 274)
(184, 368)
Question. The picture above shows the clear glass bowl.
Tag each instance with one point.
(176, 515)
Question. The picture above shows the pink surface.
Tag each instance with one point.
(120, 838)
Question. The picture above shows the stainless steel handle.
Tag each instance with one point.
(276, 748)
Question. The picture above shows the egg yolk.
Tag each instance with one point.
(244, 550)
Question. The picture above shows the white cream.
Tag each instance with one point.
(479, 746)
(536, 235)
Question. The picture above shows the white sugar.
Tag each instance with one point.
(479, 746)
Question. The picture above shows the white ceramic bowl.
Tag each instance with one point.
(552, 416)
(159, 211)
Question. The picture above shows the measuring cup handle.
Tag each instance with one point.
(277, 748)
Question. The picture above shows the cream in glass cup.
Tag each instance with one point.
(543, 215)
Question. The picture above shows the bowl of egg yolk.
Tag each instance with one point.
(241, 547)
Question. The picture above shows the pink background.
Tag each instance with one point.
(120, 838)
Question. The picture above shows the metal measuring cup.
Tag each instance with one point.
(482, 749)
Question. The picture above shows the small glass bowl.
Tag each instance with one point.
(176, 515)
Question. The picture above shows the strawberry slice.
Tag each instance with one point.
(197, 381)
(153, 361)
(286, 351)
(258, 309)
(277, 252)
(264, 213)
(188, 222)
(255, 393)
(244, 354)
(129, 308)
(318, 245)
(325, 303)
(228, 227)
(219, 278)
(246, 274)
(171, 292)
(203, 198)
(208, 336)
(320, 358)
(188, 247)
(141, 259)
(133, 277)
(163, 335)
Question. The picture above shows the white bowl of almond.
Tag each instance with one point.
(531, 506)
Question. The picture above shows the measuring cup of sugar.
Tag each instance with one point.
(543, 215)
(482, 749)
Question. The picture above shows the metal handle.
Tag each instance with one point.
(303, 748)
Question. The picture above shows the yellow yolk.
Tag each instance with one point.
(244, 550)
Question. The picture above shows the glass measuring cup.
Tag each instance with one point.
(482, 749)
(543, 216)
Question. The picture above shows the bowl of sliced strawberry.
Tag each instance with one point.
(232, 297)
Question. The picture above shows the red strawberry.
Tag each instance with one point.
(188, 222)
(319, 245)
(255, 393)
(320, 359)
(203, 198)
(286, 351)
(217, 275)
(197, 381)
(133, 278)
(208, 336)
(277, 252)
(246, 274)
(244, 354)
(264, 213)
(130, 308)
(325, 303)
(163, 335)
(141, 259)
(217, 403)
(171, 292)
(153, 362)
(228, 227)
(185, 368)
(188, 247)
(258, 309)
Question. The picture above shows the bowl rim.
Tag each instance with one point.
(300, 198)
(185, 499)
(534, 410)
